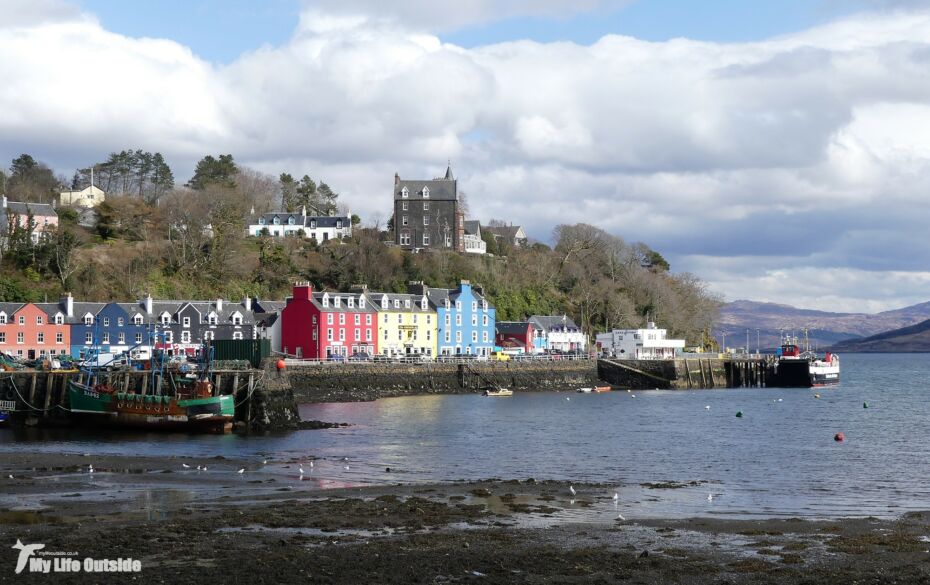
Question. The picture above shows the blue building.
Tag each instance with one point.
(465, 319)
(108, 326)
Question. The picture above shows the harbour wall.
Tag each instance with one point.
(686, 373)
(351, 382)
(264, 400)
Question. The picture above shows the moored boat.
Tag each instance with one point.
(192, 409)
(602, 388)
(805, 369)
(498, 392)
(585, 390)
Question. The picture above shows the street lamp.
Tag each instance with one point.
(758, 349)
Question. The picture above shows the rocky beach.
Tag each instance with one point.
(268, 524)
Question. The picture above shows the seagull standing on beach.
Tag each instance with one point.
(186, 466)
(241, 470)
(620, 517)
(311, 465)
(571, 489)
(301, 469)
(616, 496)
(710, 497)
(90, 469)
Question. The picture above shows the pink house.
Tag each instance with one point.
(44, 216)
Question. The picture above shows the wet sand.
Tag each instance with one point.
(266, 525)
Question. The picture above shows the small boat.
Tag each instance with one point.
(585, 390)
(498, 392)
(602, 388)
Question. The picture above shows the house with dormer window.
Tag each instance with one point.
(321, 228)
(406, 324)
(427, 213)
(323, 325)
(464, 319)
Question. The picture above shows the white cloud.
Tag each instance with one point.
(807, 152)
(24, 13)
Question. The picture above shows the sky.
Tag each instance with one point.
(777, 149)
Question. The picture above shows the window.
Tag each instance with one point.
(3, 318)
(22, 320)
(400, 318)
(211, 318)
(59, 319)
(185, 337)
(165, 318)
(426, 239)
(88, 319)
(405, 239)
(358, 319)
(458, 336)
(406, 303)
(368, 319)
(38, 319)
(425, 220)
(458, 305)
(447, 303)
(474, 336)
(403, 220)
(88, 338)
(169, 337)
(458, 320)
(342, 318)
(474, 305)
(404, 206)
(338, 224)
(351, 302)
(425, 192)
(484, 305)
(485, 321)
(325, 300)
(186, 321)
(414, 318)
(290, 221)
(237, 319)
(329, 318)
(121, 338)
(396, 303)
(474, 320)
(448, 319)
(261, 221)
(428, 336)
(237, 335)
(385, 334)
(208, 335)
(106, 338)
(329, 333)
(337, 302)
(400, 335)
(2, 337)
(404, 193)
(137, 319)
(138, 338)
(448, 337)
(59, 337)
(429, 319)
(361, 302)
(358, 335)
(342, 335)
(313, 224)
(484, 336)
(426, 206)
(40, 338)
(277, 221)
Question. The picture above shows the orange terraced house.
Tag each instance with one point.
(33, 331)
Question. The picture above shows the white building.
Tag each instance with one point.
(320, 228)
(474, 244)
(88, 197)
(557, 333)
(639, 344)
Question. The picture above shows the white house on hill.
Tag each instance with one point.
(318, 227)
(88, 197)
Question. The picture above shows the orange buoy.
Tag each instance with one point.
(839, 437)
(280, 365)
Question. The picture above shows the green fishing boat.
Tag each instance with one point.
(194, 408)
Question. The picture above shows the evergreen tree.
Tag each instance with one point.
(214, 171)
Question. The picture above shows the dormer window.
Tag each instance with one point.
(350, 302)
(338, 224)
(277, 221)
(261, 221)
(484, 304)
(212, 319)
(396, 303)
(237, 318)
(404, 193)
(406, 303)
(313, 224)
(337, 302)
(325, 299)
(165, 318)
(2, 318)
(447, 304)
(290, 221)
(385, 302)
(425, 192)
(423, 304)
(59, 319)
(361, 302)
(88, 319)
(137, 319)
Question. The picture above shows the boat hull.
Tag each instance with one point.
(805, 374)
(207, 414)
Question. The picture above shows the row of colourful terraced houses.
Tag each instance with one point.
(310, 324)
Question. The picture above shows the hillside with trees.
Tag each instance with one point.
(190, 242)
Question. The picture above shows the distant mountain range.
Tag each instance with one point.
(825, 329)
(915, 338)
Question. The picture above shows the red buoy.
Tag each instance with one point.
(280, 365)
(839, 437)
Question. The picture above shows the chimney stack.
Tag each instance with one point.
(247, 303)
(396, 179)
(148, 304)
(219, 304)
(67, 302)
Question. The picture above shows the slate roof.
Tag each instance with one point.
(509, 232)
(343, 305)
(473, 227)
(553, 322)
(512, 327)
(259, 306)
(375, 299)
(443, 189)
(322, 221)
(10, 308)
(37, 209)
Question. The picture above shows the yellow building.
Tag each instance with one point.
(406, 325)
(87, 197)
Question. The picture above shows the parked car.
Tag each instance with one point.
(336, 357)
(360, 356)
(381, 358)
(499, 356)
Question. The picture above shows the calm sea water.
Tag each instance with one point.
(779, 459)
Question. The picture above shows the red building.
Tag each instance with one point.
(321, 325)
(31, 331)
(514, 336)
